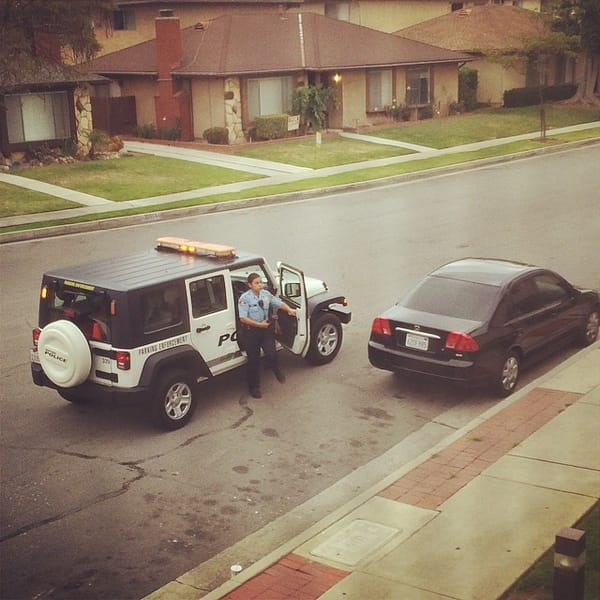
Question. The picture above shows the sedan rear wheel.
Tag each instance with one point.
(589, 332)
(508, 374)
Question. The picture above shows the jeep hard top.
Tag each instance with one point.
(154, 324)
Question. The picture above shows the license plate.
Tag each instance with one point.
(34, 356)
(418, 342)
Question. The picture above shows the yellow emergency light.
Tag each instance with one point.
(194, 247)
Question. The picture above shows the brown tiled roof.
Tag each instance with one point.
(488, 27)
(259, 43)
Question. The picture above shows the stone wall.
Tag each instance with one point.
(83, 119)
(233, 112)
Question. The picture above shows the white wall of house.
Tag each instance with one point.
(444, 87)
(208, 104)
(144, 90)
(493, 79)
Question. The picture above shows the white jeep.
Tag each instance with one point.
(155, 324)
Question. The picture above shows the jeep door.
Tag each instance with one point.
(213, 322)
(293, 332)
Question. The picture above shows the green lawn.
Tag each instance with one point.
(485, 125)
(333, 150)
(135, 177)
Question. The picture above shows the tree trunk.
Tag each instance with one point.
(588, 88)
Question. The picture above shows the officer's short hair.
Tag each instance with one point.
(252, 277)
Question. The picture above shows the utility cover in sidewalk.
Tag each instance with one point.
(354, 542)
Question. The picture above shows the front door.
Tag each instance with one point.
(294, 333)
(213, 321)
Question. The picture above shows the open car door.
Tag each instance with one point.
(293, 332)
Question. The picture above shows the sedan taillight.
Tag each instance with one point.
(461, 342)
(381, 326)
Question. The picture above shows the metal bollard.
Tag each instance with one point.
(569, 564)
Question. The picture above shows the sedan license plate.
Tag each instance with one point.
(418, 342)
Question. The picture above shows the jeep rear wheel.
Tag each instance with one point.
(174, 401)
(325, 339)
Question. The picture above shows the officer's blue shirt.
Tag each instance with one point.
(257, 307)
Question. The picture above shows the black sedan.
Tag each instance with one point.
(479, 321)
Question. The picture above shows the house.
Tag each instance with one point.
(51, 106)
(228, 71)
(133, 20)
(481, 29)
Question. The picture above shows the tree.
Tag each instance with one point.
(312, 103)
(579, 20)
(22, 22)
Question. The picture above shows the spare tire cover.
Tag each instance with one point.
(64, 353)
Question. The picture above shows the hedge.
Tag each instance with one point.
(271, 127)
(529, 96)
(216, 135)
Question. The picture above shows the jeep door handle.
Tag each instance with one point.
(202, 328)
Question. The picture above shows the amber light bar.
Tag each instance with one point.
(193, 247)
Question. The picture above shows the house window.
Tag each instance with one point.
(123, 19)
(269, 96)
(337, 10)
(379, 90)
(417, 87)
(37, 117)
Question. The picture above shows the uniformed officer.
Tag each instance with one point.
(254, 308)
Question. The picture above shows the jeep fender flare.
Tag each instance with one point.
(182, 357)
(331, 305)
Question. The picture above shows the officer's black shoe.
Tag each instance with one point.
(255, 393)
(279, 375)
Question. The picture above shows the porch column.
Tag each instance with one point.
(233, 110)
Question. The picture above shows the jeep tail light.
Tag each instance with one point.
(123, 360)
(381, 326)
(461, 342)
(36, 337)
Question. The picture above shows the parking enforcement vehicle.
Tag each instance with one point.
(155, 324)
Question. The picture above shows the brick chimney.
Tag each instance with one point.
(168, 58)
(168, 43)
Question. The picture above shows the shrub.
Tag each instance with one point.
(529, 96)
(426, 112)
(398, 112)
(145, 131)
(271, 127)
(171, 133)
(455, 108)
(467, 88)
(216, 135)
(312, 103)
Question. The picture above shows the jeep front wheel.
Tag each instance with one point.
(174, 401)
(325, 339)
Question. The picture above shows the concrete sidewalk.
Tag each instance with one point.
(463, 521)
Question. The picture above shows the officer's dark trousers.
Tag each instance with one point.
(256, 340)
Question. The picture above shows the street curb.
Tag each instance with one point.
(191, 211)
(227, 556)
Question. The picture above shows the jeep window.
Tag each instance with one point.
(88, 310)
(161, 308)
(208, 296)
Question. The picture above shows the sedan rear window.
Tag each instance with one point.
(453, 298)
